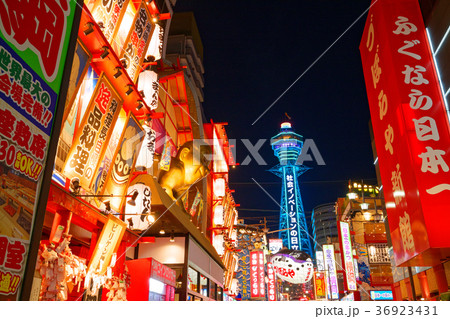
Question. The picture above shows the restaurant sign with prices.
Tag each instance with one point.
(34, 40)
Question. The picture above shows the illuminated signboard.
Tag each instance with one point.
(330, 263)
(410, 126)
(137, 41)
(257, 275)
(349, 297)
(107, 245)
(34, 42)
(93, 134)
(124, 161)
(110, 13)
(320, 286)
(381, 295)
(275, 245)
(347, 253)
(243, 270)
(271, 285)
(319, 261)
(291, 207)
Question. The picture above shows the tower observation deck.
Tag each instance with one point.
(287, 146)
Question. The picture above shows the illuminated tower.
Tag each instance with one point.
(287, 146)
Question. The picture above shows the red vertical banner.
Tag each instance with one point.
(271, 285)
(257, 274)
(320, 286)
(411, 130)
(261, 273)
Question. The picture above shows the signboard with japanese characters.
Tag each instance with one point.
(162, 273)
(275, 245)
(411, 130)
(93, 134)
(34, 40)
(320, 285)
(107, 160)
(110, 13)
(291, 208)
(124, 161)
(271, 284)
(319, 260)
(243, 271)
(166, 158)
(107, 244)
(155, 47)
(137, 41)
(257, 275)
(347, 254)
(330, 267)
(137, 213)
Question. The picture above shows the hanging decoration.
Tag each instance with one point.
(293, 266)
(60, 271)
(145, 157)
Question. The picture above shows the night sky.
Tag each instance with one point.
(253, 51)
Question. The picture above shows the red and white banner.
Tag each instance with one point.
(347, 255)
(410, 126)
(271, 285)
(258, 285)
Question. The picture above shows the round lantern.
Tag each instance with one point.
(293, 266)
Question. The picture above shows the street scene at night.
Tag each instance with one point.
(294, 151)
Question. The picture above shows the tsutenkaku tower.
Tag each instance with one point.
(287, 145)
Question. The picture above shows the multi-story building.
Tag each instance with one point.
(129, 202)
(323, 225)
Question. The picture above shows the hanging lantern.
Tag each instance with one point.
(219, 187)
(138, 212)
(148, 83)
(218, 215)
(218, 244)
(293, 266)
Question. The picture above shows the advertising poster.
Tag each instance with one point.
(93, 134)
(271, 284)
(347, 249)
(107, 244)
(320, 286)
(137, 41)
(243, 272)
(124, 160)
(411, 129)
(330, 266)
(32, 59)
(103, 169)
(110, 13)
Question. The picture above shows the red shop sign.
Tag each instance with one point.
(411, 130)
(163, 273)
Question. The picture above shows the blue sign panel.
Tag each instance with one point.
(291, 207)
(381, 295)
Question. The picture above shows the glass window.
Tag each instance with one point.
(219, 293)
(212, 290)
(204, 287)
(192, 279)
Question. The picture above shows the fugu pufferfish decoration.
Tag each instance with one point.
(293, 266)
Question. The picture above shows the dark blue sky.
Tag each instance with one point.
(253, 51)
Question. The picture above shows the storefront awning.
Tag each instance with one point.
(83, 214)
